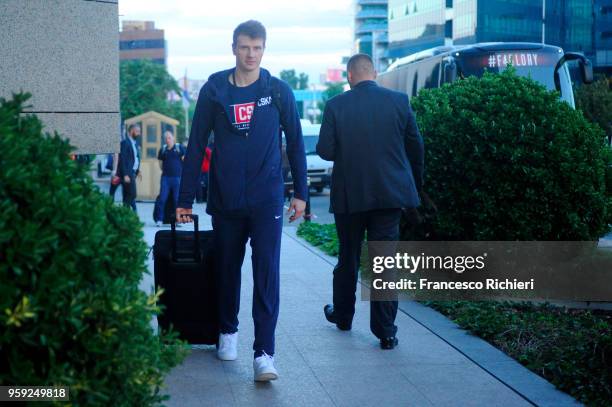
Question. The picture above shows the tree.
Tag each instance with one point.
(302, 81)
(144, 86)
(595, 101)
(333, 89)
(295, 82)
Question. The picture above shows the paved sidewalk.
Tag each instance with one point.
(322, 366)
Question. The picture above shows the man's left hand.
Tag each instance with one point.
(297, 206)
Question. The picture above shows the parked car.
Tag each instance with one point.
(319, 171)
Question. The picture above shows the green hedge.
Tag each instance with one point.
(71, 312)
(505, 159)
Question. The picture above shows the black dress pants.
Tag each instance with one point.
(129, 192)
(381, 225)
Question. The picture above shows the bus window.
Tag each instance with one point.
(430, 74)
(565, 84)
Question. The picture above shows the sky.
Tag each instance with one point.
(306, 35)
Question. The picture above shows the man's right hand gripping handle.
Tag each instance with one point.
(180, 218)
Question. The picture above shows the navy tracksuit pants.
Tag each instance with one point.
(264, 227)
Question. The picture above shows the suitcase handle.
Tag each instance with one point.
(196, 237)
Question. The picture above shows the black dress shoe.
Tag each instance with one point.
(331, 317)
(388, 343)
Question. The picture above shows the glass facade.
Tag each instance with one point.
(602, 37)
(415, 25)
(464, 21)
(509, 20)
(574, 25)
(141, 44)
(570, 25)
(371, 26)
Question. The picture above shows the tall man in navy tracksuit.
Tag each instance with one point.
(245, 107)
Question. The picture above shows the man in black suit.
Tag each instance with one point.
(371, 135)
(129, 166)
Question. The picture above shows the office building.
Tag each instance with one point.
(602, 36)
(371, 31)
(574, 25)
(141, 40)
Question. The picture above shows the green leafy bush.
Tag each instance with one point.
(570, 348)
(321, 236)
(71, 312)
(595, 101)
(507, 160)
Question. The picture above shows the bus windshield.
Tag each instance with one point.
(538, 65)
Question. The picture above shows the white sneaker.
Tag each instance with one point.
(228, 346)
(264, 368)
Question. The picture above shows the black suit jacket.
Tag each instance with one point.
(126, 159)
(371, 135)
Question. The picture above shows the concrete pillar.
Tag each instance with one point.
(66, 53)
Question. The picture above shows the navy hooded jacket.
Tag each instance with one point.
(245, 169)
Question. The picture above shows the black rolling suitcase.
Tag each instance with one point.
(183, 264)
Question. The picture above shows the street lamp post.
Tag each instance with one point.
(543, 21)
(375, 49)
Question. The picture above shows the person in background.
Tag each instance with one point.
(202, 192)
(129, 166)
(115, 181)
(170, 158)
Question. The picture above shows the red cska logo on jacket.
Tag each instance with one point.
(242, 114)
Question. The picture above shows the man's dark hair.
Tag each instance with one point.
(132, 126)
(360, 64)
(251, 28)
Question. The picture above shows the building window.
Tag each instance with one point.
(448, 29)
(152, 134)
(151, 152)
(141, 44)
